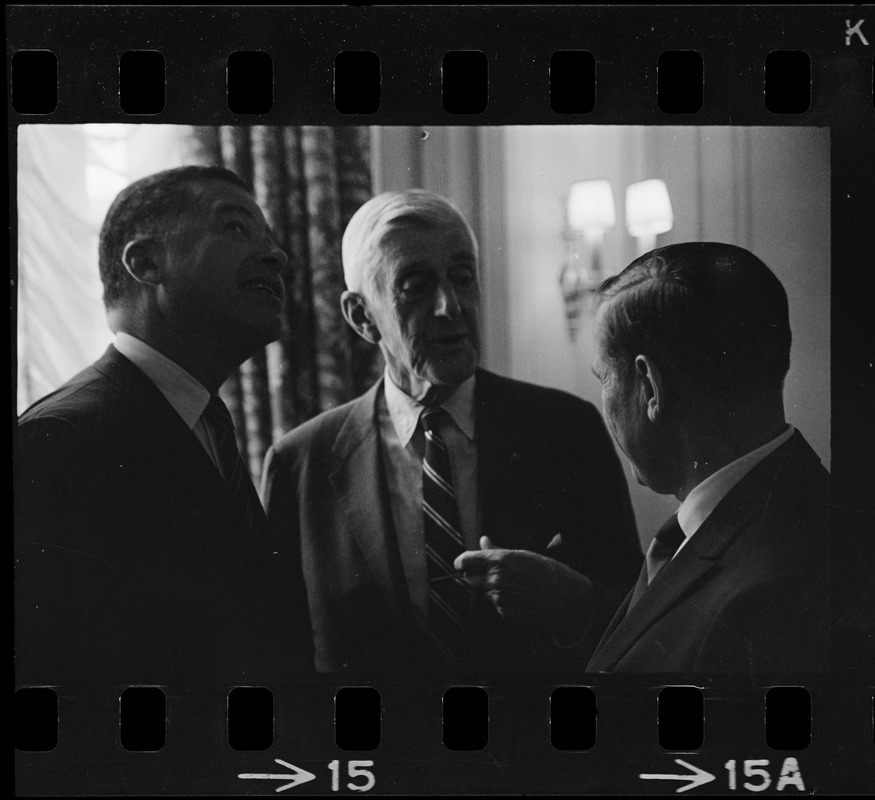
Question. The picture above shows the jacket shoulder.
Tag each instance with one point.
(322, 430)
(781, 511)
(793, 481)
(87, 399)
(497, 389)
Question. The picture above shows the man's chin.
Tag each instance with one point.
(452, 374)
(656, 483)
(268, 330)
(639, 478)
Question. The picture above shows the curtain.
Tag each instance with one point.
(308, 181)
(67, 177)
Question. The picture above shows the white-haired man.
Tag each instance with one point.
(439, 458)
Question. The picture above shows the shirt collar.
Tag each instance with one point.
(404, 411)
(703, 499)
(188, 396)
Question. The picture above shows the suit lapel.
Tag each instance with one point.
(745, 504)
(621, 612)
(171, 445)
(359, 484)
(669, 588)
(498, 454)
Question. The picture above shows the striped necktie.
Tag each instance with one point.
(449, 597)
(231, 465)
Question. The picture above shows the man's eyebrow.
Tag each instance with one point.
(406, 269)
(458, 261)
(230, 207)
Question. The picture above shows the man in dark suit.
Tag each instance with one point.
(380, 495)
(142, 553)
(692, 347)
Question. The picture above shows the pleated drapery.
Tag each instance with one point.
(308, 181)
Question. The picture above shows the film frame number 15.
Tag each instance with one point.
(354, 769)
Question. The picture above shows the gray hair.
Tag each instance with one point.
(384, 214)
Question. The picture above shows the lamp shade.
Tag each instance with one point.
(648, 208)
(590, 207)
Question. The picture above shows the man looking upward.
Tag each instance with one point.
(142, 553)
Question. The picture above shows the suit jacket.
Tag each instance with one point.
(749, 592)
(133, 563)
(546, 466)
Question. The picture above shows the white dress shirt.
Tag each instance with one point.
(186, 394)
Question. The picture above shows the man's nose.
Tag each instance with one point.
(446, 303)
(274, 257)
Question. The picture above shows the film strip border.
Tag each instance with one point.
(142, 718)
(509, 738)
(464, 82)
(460, 65)
(555, 65)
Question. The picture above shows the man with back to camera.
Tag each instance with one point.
(142, 553)
(692, 347)
(381, 495)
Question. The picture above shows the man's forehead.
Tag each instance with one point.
(222, 198)
(211, 200)
(400, 241)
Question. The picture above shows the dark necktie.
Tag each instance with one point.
(231, 465)
(449, 597)
(664, 545)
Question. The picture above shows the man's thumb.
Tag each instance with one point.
(486, 543)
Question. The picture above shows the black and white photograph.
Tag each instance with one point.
(414, 458)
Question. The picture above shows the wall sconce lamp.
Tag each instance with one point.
(590, 212)
(648, 212)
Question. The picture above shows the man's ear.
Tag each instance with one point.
(651, 387)
(356, 313)
(144, 259)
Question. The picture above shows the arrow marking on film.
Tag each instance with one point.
(698, 777)
(295, 778)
